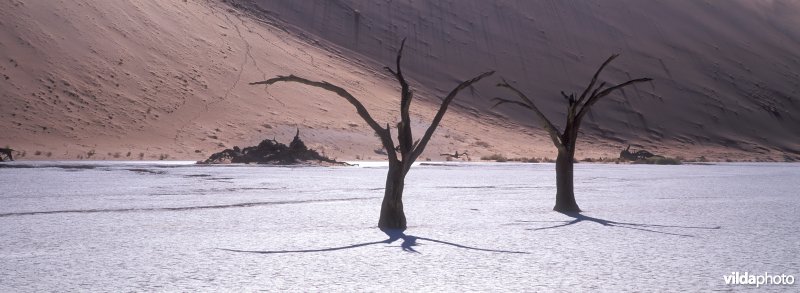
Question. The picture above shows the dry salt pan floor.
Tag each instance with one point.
(179, 227)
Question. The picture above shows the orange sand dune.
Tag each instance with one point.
(169, 79)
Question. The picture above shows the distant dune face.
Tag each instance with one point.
(168, 79)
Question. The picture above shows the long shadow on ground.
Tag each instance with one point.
(409, 241)
(654, 228)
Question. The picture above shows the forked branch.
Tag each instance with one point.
(576, 109)
(594, 77)
(440, 114)
(551, 129)
(602, 93)
(405, 136)
(408, 148)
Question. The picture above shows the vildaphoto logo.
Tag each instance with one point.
(736, 278)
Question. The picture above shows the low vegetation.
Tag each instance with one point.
(495, 157)
(646, 157)
(500, 158)
(659, 160)
(6, 154)
(601, 160)
(269, 151)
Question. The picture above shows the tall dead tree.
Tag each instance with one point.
(565, 140)
(392, 216)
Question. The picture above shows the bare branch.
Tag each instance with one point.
(390, 71)
(599, 88)
(399, 56)
(548, 126)
(439, 115)
(383, 134)
(405, 137)
(594, 78)
(566, 97)
(389, 145)
(594, 98)
(501, 101)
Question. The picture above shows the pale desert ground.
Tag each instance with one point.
(169, 79)
(473, 227)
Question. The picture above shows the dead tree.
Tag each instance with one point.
(565, 140)
(392, 216)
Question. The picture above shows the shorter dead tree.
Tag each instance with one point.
(565, 140)
(392, 216)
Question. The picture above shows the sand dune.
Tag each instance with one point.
(169, 79)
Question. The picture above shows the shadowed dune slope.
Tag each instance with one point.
(727, 73)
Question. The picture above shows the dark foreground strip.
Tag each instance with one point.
(172, 209)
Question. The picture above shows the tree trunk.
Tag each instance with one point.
(565, 195)
(392, 215)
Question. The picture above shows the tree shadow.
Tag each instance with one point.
(653, 228)
(408, 244)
